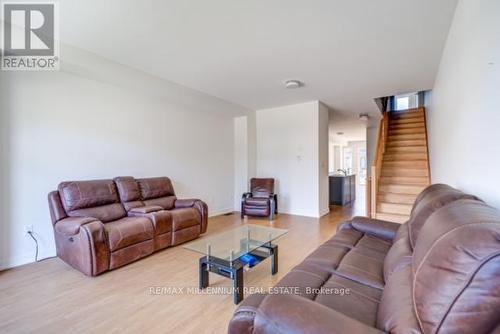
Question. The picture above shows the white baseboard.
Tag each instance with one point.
(17, 261)
(219, 212)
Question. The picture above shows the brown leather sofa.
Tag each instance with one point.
(100, 225)
(437, 273)
(261, 200)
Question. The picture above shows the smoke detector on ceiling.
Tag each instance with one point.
(363, 117)
(292, 84)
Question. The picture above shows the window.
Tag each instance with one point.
(405, 101)
(402, 103)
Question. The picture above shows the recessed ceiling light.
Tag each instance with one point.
(363, 117)
(292, 84)
(340, 133)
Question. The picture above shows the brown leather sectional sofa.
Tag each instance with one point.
(437, 273)
(100, 225)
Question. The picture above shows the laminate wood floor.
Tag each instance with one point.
(51, 297)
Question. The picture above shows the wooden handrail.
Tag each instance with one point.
(377, 163)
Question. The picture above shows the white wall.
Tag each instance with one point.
(288, 149)
(98, 119)
(323, 121)
(371, 145)
(355, 146)
(464, 115)
(244, 156)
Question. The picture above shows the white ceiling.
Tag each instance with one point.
(347, 52)
(350, 126)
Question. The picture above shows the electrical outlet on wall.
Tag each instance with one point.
(28, 229)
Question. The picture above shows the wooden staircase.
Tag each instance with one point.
(402, 169)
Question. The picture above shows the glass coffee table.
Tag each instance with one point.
(227, 253)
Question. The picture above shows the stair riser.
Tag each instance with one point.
(419, 125)
(406, 149)
(398, 137)
(393, 132)
(406, 143)
(405, 164)
(405, 172)
(399, 189)
(405, 156)
(406, 115)
(406, 120)
(398, 209)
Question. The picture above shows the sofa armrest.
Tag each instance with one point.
(380, 228)
(82, 243)
(292, 314)
(185, 203)
(71, 225)
(198, 205)
(146, 209)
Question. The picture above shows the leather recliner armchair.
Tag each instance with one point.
(100, 225)
(261, 200)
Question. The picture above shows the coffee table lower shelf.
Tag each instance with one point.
(234, 269)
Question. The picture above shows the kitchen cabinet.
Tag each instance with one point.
(342, 189)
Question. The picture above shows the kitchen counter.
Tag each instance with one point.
(342, 189)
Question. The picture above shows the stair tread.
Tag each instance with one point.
(392, 217)
(415, 125)
(419, 180)
(396, 198)
(410, 189)
(394, 208)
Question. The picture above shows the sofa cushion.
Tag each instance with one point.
(261, 187)
(364, 260)
(399, 255)
(353, 299)
(316, 278)
(155, 187)
(128, 188)
(456, 265)
(167, 203)
(348, 237)
(184, 217)
(372, 243)
(96, 198)
(396, 313)
(362, 267)
(162, 220)
(428, 201)
(104, 213)
(256, 201)
(87, 194)
(128, 231)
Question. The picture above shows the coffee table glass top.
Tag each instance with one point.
(233, 244)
